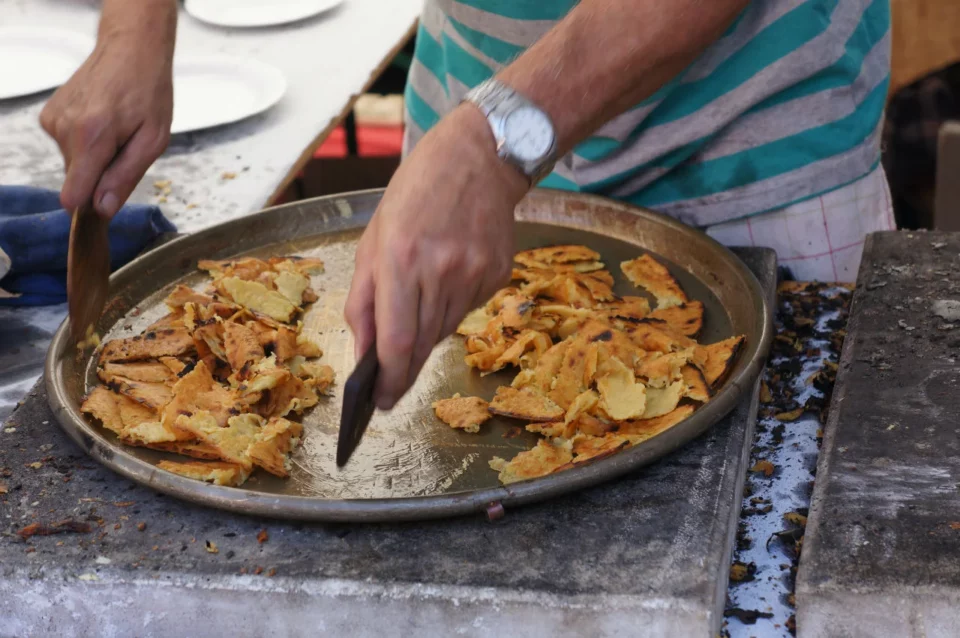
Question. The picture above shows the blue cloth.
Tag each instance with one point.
(35, 231)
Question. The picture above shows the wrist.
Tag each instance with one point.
(148, 26)
(472, 125)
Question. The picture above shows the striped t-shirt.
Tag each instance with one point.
(786, 105)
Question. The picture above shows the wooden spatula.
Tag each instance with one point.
(88, 270)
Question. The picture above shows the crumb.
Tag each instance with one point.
(262, 536)
(795, 518)
(212, 547)
(763, 466)
(141, 527)
(228, 175)
(90, 339)
(191, 206)
(258, 570)
(162, 200)
(271, 573)
(162, 184)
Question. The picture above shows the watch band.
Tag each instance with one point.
(490, 94)
(497, 101)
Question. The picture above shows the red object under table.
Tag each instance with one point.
(372, 141)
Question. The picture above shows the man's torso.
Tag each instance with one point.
(784, 106)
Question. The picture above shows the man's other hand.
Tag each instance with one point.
(111, 120)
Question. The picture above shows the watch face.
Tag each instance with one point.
(528, 133)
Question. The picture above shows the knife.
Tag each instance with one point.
(88, 270)
(357, 405)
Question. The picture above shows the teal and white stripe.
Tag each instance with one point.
(785, 106)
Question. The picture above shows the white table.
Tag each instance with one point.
(327, 61)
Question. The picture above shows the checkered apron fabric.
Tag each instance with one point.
(819, 239)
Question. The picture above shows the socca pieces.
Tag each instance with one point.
(462, 413)
(597, 372)
(221, 377)
(647, 273)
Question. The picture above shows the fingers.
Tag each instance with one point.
(51, 122)
(493, 274)
(359, 309)
(93, 144)
(429, 325)
(457, 309)
(397, 311)
(128, 168)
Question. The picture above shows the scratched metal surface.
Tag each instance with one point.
(409, 465)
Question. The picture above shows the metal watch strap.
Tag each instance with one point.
(490, 97)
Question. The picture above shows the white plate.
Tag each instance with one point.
(35, 59)
(256, 13)
(218, 89)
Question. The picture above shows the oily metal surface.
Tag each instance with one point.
(408, 465)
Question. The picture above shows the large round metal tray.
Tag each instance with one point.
(409, 465)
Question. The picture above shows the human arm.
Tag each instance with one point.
(112, 118)
(441, 241)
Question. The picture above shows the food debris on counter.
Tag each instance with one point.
(61, 527)
(794, 398)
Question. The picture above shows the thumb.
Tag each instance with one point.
(359, 311)
(128, 168)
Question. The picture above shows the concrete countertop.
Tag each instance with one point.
(649, 553)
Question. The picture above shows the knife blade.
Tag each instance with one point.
(357, 405)
(88, 270)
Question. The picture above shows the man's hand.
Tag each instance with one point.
(112, 118)
(440, 244)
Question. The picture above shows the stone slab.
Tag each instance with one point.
(648, 554)
(882, 540)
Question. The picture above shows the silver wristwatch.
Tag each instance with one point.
(524, 133)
